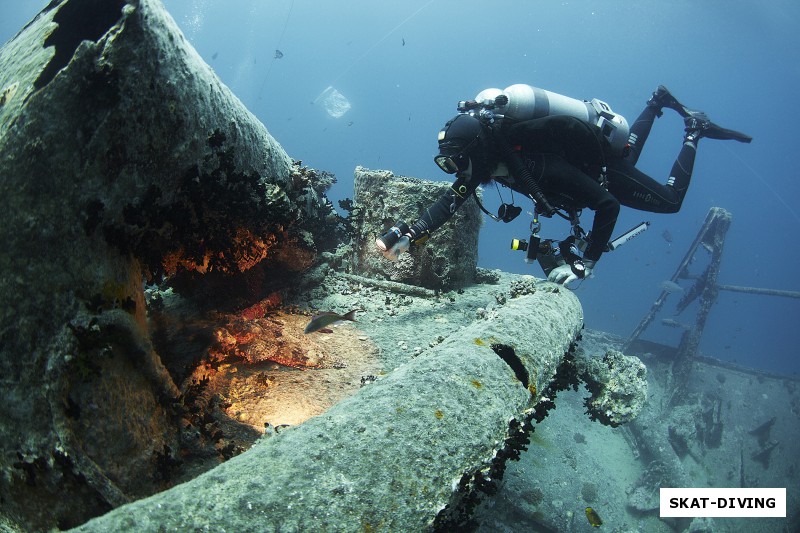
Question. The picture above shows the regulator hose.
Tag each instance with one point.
(519, 170)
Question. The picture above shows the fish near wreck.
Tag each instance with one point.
(672, 323)
(670, 287)
(323, 320)
(593, 518)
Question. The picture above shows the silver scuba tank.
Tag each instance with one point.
(526, 102)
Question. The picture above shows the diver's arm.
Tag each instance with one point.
(444, 208)
(398, 239)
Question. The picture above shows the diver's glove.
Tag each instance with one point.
(395, 241)
(393, 253)
(400, 238)
(588, 268)
(562, 274)
(569, 272)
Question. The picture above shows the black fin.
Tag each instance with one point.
(716, 132)
(699, 121)
(663, 98)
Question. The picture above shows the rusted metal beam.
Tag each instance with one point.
(715, 221)
(719, 221)
(758, 290)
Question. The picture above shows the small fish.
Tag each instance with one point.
(672, 323)
(593, 518)
(404, 42)
(667, 236)
(278, 54)
(8, 93)
(323, 320)
(216, 55)
(670, 286)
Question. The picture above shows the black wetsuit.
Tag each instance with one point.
(565, 157)
(633, 188)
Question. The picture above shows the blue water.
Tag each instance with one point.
(735, 60)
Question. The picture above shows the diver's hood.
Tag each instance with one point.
(459, 132)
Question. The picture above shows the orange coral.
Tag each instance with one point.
(258, 310)
(250, 249)
(247, 250)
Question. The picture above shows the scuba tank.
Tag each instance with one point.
(525, 102)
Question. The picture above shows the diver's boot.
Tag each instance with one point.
(699, 125)
(663, 98)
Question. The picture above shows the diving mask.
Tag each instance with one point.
(457, 162)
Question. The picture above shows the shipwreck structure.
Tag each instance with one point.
(396, 454)
(704, 291)
(124, 159)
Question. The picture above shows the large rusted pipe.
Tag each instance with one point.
(391, 457)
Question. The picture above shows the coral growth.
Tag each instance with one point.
(618, 387)
(589, 492)
(522, 286)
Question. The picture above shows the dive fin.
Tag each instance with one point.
(724, 134)
(663, 98)
(695, 120)
(699, 122)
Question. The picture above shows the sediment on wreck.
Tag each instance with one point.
(122, 157)
(395, 454)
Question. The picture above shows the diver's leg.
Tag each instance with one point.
(640, 129)
(695, 120)
(633, 188)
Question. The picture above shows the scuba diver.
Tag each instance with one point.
(563, 154)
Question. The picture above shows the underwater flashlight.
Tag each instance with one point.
(390, 238)
(532, 247)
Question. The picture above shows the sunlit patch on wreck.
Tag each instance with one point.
(243, 372)
(266, 370)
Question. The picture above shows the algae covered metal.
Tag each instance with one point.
(123, 157)
(395, 454)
